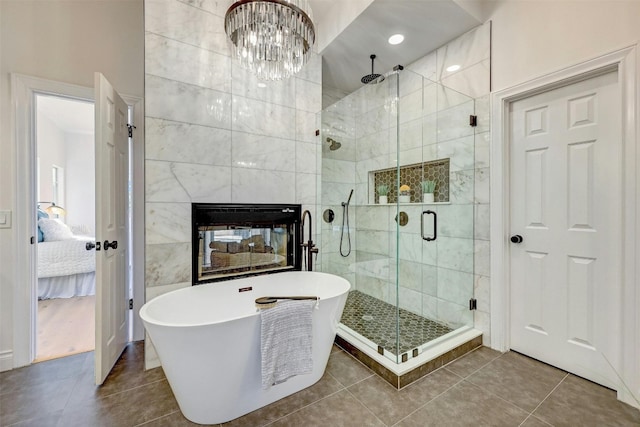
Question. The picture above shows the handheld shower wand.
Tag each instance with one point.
(349, 199)
(345, 214)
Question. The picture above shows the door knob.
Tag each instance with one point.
(91, 245)
(112, 245)
(516, 238)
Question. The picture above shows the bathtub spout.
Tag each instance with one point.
(308, 248)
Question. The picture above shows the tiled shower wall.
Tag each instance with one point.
(364, 122)
(472, 52)
(213, 135)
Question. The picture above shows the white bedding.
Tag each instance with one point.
(75, 285)
(65, 257)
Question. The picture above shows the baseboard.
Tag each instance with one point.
(6, 360)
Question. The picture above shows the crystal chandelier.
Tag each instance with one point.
(271, 38)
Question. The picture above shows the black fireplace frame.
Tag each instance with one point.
(243, 215)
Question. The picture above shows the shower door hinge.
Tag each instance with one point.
(473, 120)
(473, 304)
(131, 128)
(130, 303)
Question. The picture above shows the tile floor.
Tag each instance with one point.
(483, 387)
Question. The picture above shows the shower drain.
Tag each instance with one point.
(367, 317)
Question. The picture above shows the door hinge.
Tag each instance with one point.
(473, 120)
(131, 128)
(473, 304)
(32, 240)
(131, 304)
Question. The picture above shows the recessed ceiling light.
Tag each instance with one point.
(262, 84)
(452, 68)
(396, 39)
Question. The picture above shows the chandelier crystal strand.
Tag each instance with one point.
(271, 38)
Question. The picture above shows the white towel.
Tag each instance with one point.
(286, 341)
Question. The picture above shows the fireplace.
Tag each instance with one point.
(239, 240)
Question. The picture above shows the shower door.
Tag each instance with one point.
(435, 239)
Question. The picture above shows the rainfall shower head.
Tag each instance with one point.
(334, 144)
(373, 77)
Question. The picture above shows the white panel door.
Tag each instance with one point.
(112, 307)
(565, 176)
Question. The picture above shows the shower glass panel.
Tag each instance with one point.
(409, 290)
(435, 251)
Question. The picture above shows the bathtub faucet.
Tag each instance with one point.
(308, 248)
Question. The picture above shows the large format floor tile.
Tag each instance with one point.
(391, 405)
(580, 402)
(466, 405)
(340, 409)
(483, 387)
(518, 379)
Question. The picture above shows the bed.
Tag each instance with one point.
(65, 268)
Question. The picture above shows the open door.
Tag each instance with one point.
(111, 151)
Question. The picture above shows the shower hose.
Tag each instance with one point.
(345, 214)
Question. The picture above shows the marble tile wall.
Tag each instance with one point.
(435, 279)
(214, 135)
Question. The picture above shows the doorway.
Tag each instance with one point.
(25, 90)
(617, 341)
(566, 201)
(65, 200)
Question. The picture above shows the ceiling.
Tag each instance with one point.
(69, 115)
(426, 25)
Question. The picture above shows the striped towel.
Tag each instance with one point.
(286, 341)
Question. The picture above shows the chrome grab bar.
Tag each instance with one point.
(435, 225)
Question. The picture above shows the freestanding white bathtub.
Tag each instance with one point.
(208, 340)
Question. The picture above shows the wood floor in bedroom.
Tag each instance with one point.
(66, 326)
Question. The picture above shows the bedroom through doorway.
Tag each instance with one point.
(65, 193)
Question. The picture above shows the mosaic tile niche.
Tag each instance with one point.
(412, 175)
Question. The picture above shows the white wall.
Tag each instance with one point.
(64, 41)
(51, 151)
(532, 38)
(80, 181)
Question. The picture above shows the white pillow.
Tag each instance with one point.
(54, 230)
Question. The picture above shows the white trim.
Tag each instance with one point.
(630, 367)
(138, 215)
(6, 360)
(24, 90)
(624, 61)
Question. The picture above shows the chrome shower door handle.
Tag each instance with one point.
(435, 225)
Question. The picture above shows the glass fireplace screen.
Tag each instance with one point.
(242, 240)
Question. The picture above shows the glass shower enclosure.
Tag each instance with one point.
(409, 256)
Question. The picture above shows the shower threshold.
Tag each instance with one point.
(416, 358)
(376, 321)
